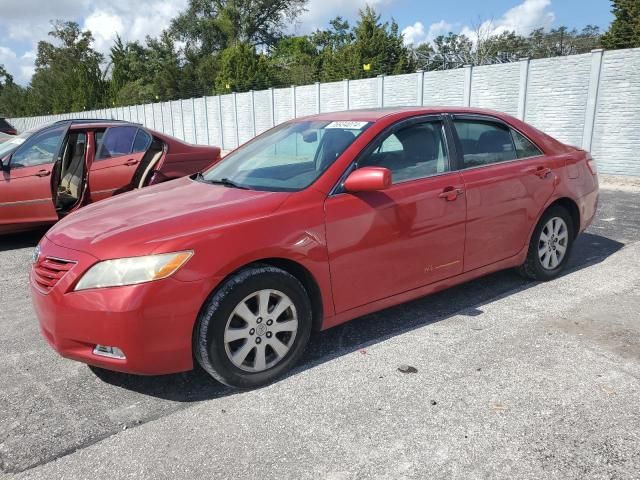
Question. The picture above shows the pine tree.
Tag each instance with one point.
(625, 28)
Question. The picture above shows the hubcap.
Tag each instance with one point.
(261, 330)
(552, 246)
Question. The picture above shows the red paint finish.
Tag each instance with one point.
(25, 198)
(364, 250)
(369, 179)
(26, 194)
(384, 243)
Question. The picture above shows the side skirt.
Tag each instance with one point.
(424, 291)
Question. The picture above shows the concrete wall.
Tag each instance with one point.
(590, 100)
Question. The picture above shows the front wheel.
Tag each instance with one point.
(254, 328)
(550, 245)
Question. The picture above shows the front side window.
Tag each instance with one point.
(41, 148)
(412, 152)
(288, 158)
(117, 141)
(484, 142)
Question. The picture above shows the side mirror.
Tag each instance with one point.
(368, 179)
(4, 164)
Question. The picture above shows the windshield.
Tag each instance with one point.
(288, 158)
(14, 142)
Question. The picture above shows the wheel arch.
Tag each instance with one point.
(299, 271)
(572, 207)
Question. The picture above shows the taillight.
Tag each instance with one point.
(591, 163)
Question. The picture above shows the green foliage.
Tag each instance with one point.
(68, 77)
(625, 28)
(221, 46)
(240, 69)
(454, 50)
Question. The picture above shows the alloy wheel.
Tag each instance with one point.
(553, 243)
(261, 330)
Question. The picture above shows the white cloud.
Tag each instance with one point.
(415, 34)
(319, 12)
(522, 19)
(20, 66)
(131, 20)
(25, 22)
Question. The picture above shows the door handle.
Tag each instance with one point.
(131, 162)
(541, 172)
(450, 193)
(43, 173)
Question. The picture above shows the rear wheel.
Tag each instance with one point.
(550, 245)
(254, 328)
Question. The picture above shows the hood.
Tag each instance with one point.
(146, 220)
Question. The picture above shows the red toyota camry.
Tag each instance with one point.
(47, 173)
(315, 222)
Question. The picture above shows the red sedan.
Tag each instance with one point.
(51, 172)
(316, 222)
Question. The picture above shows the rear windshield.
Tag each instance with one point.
(4, 124)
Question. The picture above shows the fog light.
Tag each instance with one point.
(111, 352)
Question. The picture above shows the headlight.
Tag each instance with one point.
(134, 270)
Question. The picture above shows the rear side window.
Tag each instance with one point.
(524, 146)
(484, 142)
(99, 136)
(142, 141)
(117, 141)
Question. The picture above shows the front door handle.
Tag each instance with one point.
(541, 171)
(131, 162)
(451, 193)
(43, 173)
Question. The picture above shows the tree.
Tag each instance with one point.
(624, 31)
(241, 69)
(379, 45)
(145, 73)
(294, 61)
(13, 97)
(210, 26)
(68, 77)
(336, 60)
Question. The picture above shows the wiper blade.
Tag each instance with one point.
(226, 182)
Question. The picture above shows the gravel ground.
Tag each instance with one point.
(513, 379)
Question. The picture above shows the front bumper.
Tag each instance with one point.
(151, 323)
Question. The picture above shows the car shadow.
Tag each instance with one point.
(14, 241)
(466, 299)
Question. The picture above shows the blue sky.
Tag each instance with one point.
(24, 22)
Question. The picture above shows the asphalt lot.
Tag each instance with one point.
(514, 379)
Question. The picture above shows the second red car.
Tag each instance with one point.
(52, 171)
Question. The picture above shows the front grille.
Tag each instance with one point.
(48, 271)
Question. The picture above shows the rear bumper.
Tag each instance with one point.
(151, 323)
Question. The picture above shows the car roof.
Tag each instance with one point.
(375, 114)
(95, 122)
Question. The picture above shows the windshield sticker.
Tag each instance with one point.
(350, 125)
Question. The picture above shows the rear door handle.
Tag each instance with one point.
(541, 172)
(43, 173)
(131, 162)
(450, 193)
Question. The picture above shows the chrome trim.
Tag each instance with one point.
(26, 202)
(33, 266)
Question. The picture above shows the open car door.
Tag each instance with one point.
(119, 152)
(26, 197)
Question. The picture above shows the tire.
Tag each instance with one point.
(236, 345)
(539, 266)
